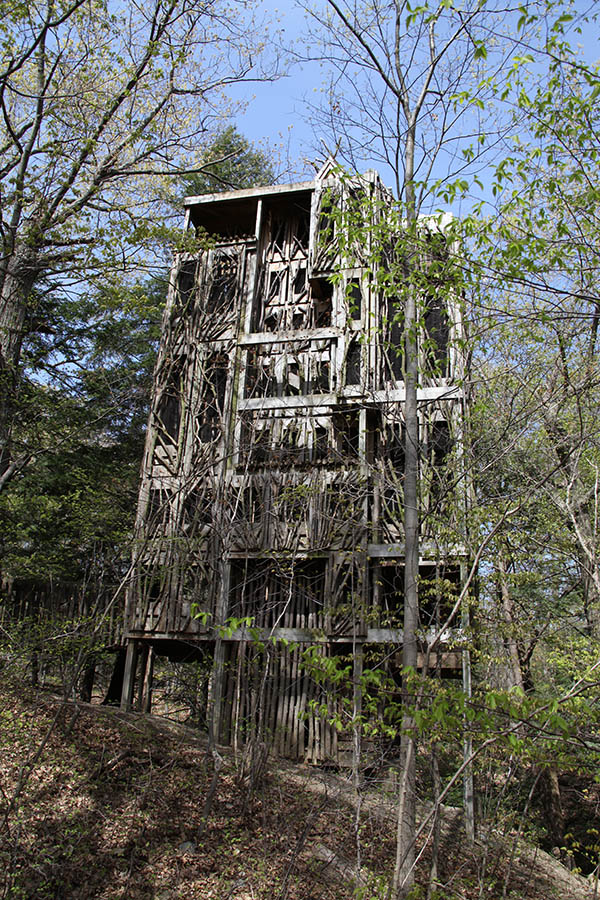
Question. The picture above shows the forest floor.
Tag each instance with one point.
(111, 808)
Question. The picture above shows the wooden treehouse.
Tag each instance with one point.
(270, 510)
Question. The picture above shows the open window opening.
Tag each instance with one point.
(169, 405)
(249, 504)
(254, 443)
(274, 442)
(438, 589)
(325, 248)
(436, 337)
(322, 301)
(320, 444)
(326, 225)
(300, 230)
(354, 298)
(346, 433)
(222, 290)
(438, 448)
(390, 452)
(158, 510)
(279, 593)
(198, 510)
(393, 341)
(186, 281)
(320, 383)
(212, 404)
(353, 360)
(298, 319)
(278, 235)
(388, 594)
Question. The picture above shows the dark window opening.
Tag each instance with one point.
(207, 432)
(354, 296)
(153, 589)
(326, 227)
(299, 284)
(288, 451)
(213, 397)
(260, 448)
(437, 594)
(323, 313)
(394, 447)
(251, 384)
(249, 507)
(280, 593)
(321, 378)
(157, 507)
(255, 444)
(169, 406)
(197, 510)
(440, 444)
(298, 319)
(302, 229)
(275, 284)
(353, 358)
(260, 381)
(222, 291)
(169, 414)
(346, 430)
(278, 232)
(436, 338)
(373, 435)
(388, 589)
(186, 281)
(390, 451)
(321, 444)
(322, 297)
(215, 383)
(295, 383)
(325, 249)
(394, 341)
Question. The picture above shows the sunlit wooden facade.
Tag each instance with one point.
(270, 507)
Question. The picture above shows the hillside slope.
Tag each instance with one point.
(113, 808)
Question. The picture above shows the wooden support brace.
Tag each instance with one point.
(129, 675)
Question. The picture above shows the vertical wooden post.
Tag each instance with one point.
(129, 675)
(147, 686)
(217, 676)
(142, 666)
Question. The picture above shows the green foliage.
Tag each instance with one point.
(71, 515)
(231, 162)
(82, 407)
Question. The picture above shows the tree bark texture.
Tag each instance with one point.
(17, 278)
(405, 847)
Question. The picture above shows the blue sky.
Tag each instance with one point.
(276, 115)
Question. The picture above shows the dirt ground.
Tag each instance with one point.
(98, 804)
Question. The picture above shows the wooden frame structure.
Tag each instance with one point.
(270, 507)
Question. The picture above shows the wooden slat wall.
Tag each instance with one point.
(289, 725)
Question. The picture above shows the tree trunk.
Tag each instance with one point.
(17, 277)
(407, 802)
(432, 887)
(87, 679)
(115, 688)
(510, 639)
(551, 801)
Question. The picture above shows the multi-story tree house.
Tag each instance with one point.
(270, 511)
